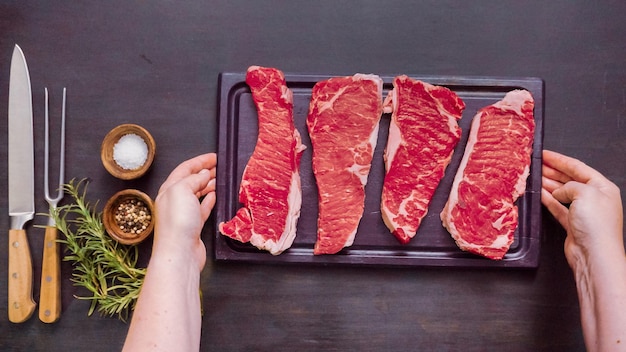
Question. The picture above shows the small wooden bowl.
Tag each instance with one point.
(111, 225)
(106, 151)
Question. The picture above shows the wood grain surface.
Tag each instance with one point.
(156, 64)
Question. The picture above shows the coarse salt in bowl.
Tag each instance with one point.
(128, 151)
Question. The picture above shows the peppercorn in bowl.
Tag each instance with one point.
(127, 151)
(128, 216)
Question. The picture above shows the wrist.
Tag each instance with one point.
(599, 272)
(602, 294)
(603, 251)
(611, 261)
(179, 252)
(175, 270)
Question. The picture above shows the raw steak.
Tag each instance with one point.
(422, 136)
(343, 125)
(480, 213)
(270, 187)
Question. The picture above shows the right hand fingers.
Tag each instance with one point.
(550, 184)
(572, 168)
(558, 210)
(550, 173)
(569, 192)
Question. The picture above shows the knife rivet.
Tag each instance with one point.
(16, 244)
(47, 313)
(16, 305)
(49, 244)
(15, 275)
(49, 278)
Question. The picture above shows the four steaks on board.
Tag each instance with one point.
(270, 190)
(343, 120)
(422, 136)
(480, 213)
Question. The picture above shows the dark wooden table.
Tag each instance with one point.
(156, 63)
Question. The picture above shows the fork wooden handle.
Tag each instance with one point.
(50, 297)
(21, 304)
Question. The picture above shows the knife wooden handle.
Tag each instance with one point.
(50, 297)
(21, 304)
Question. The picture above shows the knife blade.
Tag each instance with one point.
(21, 189)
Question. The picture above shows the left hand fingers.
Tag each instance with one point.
(189, 167)
(210, 186)
(207, 204)
(199, 183)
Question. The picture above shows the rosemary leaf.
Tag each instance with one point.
(101, 265)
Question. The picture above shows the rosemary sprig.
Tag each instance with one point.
(106, 268)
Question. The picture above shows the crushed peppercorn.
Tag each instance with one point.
(132, 216)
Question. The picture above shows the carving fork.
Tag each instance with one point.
(50, 298)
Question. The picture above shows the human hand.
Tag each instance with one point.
(593, 220)
(180, 216)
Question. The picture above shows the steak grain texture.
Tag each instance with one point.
(423, 133)
(270, 189)
(343, 121)
(481, 214)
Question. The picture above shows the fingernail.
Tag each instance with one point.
(203, 171)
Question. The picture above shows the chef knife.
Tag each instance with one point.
(21, 189)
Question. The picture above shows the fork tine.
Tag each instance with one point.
(62, 158)
(59, 195)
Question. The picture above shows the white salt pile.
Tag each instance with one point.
(130, 152)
